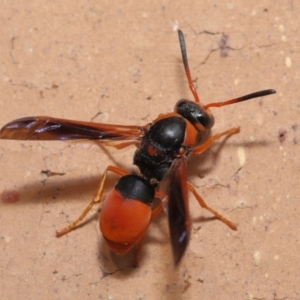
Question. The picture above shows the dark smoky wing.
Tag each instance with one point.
(48, 128)
(175, 186)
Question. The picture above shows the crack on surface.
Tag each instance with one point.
(25, 84)
(96, 115)
(31, 86)
(64, 278)
(235, 176)
(243, 207)
(196, 256)
(106, 273)
(213, 185)
(49, 173)
(12, 47)
(223, 46)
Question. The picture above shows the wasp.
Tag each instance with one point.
(163, 148)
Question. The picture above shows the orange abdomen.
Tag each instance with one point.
(123, 222)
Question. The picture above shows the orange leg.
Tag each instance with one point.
(204, 205)
(201, 148)
(96, 200)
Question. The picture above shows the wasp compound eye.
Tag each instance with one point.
(195, 114)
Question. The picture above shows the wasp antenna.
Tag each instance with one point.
(240, 99)
(186, 65)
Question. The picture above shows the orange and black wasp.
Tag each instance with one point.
(163, 148)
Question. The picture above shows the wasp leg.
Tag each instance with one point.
(215, 213)
(201, 148)
(96, 200)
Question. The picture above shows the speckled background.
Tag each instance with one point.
(121, 63)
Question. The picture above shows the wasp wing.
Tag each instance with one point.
(48, 128)
(175, 186)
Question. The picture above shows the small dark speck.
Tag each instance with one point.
(223, 45)
(282, 135)
(274, 113)
(200, 175)
(149, 97)
(295, 127)
(265, 10)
